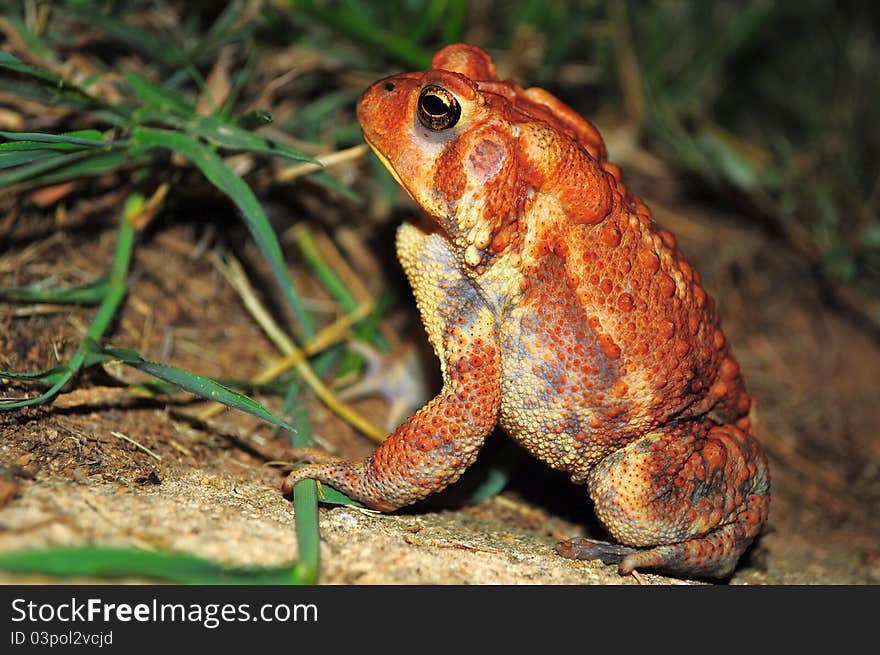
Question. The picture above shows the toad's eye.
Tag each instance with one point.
(438, 108)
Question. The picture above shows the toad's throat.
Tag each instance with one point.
(390, 168)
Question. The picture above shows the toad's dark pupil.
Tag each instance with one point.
(438, 108)
(435, 105)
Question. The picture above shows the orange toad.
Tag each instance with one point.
(561, 312)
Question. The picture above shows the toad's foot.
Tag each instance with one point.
(590, 549)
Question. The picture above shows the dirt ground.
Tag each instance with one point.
(104, 466)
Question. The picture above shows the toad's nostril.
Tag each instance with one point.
(389, 86)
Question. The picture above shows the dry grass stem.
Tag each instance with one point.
(298, 170)
(137, 444)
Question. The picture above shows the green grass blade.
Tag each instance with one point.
(199, 385)
(49, 376)
(96, 163)
(352, 361)
(365, 330)
(78, 164)
(34, 170)
(330, 496)
(221, 176)
(161, 386)
(224, 134)
(227, 135)
(87, 294)
(305, 497)
(14, 63)
(89, 138)
(24, 156)
(127, 563)
(305, 503)
(54, 374)
(325, 273)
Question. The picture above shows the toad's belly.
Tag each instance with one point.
(559, 396)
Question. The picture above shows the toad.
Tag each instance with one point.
(560, 311)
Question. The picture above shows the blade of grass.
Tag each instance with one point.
(35, 169)
(90, 138)
(244, 386)
(49, 376)
(228, 135)
(328, 277)
(305, 517)
(24, 156)
(330, 496)
(87, 294)
(334, 285)
(200, 385)
(90, 163)
(126, 563)
(14, 63)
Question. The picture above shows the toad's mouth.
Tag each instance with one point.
(388, 166)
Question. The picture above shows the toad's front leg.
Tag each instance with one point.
(435, 446)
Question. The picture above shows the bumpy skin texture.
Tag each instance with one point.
(562, 312)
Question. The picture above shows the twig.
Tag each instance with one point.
(298, 170)
(36, 310)
(137, 444)
(179, 446)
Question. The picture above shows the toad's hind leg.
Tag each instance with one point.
(695, 495)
